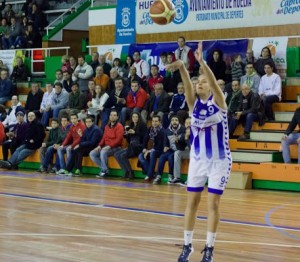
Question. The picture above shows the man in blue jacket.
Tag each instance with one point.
(90, 138)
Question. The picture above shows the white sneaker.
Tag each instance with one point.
(60, 172)
(69, 174)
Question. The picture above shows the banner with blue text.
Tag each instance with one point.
(125, 22)
(219, 14)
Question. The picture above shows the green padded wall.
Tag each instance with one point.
(51, 65)
(293, 60)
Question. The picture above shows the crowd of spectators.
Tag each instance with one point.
(94, 106)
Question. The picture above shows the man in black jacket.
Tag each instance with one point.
(34, 99)
(290, 138)
(157, 104)
(249, 111)
(34, 137)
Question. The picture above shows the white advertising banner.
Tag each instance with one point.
(219, 14)
(278, 47)
(7, 57)
(111, 52)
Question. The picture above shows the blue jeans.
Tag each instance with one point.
(247, 120)
(148, 164)
(48, 158)
(285, 144)
(104, 117)
(8, 42)
(167, 156)
(122, 159)
(61, 152)
(20, 154)
(101, 157)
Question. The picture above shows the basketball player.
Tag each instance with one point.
(210, 156)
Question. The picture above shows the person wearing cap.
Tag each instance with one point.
(16, 137)
(33, 140)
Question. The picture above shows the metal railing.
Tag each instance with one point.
(103, 2)
(66, 13)
(46, 53)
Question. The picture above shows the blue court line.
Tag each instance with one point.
(145, 211)
(278, 229)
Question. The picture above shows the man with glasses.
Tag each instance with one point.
(34, 137)
(251, 78)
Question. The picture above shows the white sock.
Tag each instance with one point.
(188, 237)
(210, 239)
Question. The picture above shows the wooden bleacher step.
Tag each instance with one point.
(284, 116)
(256, 156)
(263, 135)
(290, 92)
(285, 107)
(240, 180)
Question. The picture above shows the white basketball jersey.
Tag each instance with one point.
(209, 131)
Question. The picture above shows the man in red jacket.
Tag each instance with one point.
(72, 139)
(109, 144)
(135, 101)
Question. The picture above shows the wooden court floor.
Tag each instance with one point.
(47, 218)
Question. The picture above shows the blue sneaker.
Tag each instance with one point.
(208, 254)
(187, 250)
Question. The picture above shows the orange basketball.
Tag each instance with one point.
(162, 12)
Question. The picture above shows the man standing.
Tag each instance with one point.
(82, 74)
(142, 66)
(186, 54)
(109, 144)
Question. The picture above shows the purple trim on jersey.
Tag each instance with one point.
(215, 191)
(197, 143)
(220, 135)
(195, 189)
(208, 143)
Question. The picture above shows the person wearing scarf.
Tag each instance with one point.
(152, 148)
(171, 135)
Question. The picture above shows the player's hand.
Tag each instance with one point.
(174, 66)
(199, 53)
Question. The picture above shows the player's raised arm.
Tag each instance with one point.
(189, 91)
(212, 82)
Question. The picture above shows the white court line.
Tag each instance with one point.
(144, 238)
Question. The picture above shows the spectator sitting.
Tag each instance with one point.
(51, 140)
(249, 57)
(95, 62)
(65, 63)
(32, 38)
(33, 140)
(13, 32)
(47, 164)
(9, 12)
(101, 78)
(249, 111)
(96, 106)
(157, 104)
(72, 139)
(116, 101)
(16, 137)
(265, 57)
(152, 148)
(106, 66)
(76, 103)
(178, 105)
(67, 82)
(34, 99)
(237, 68)
(171, 135)
(251, 78)
(58, 76)
(133, 77)
(290, 137)
(155, 78)
(3, 66)
(117, 64)
(89, 139)
(135, 101)
(270, 90)
(183, 147)
(46, 102)
(11, 119)
(128, 63)
(110, 144)
(134, 134)
(73, 64)
(6, 87)
(4, 27)
(82, 74)
(162, 64)
(20, 72)
(221, 84)
(114, 74)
